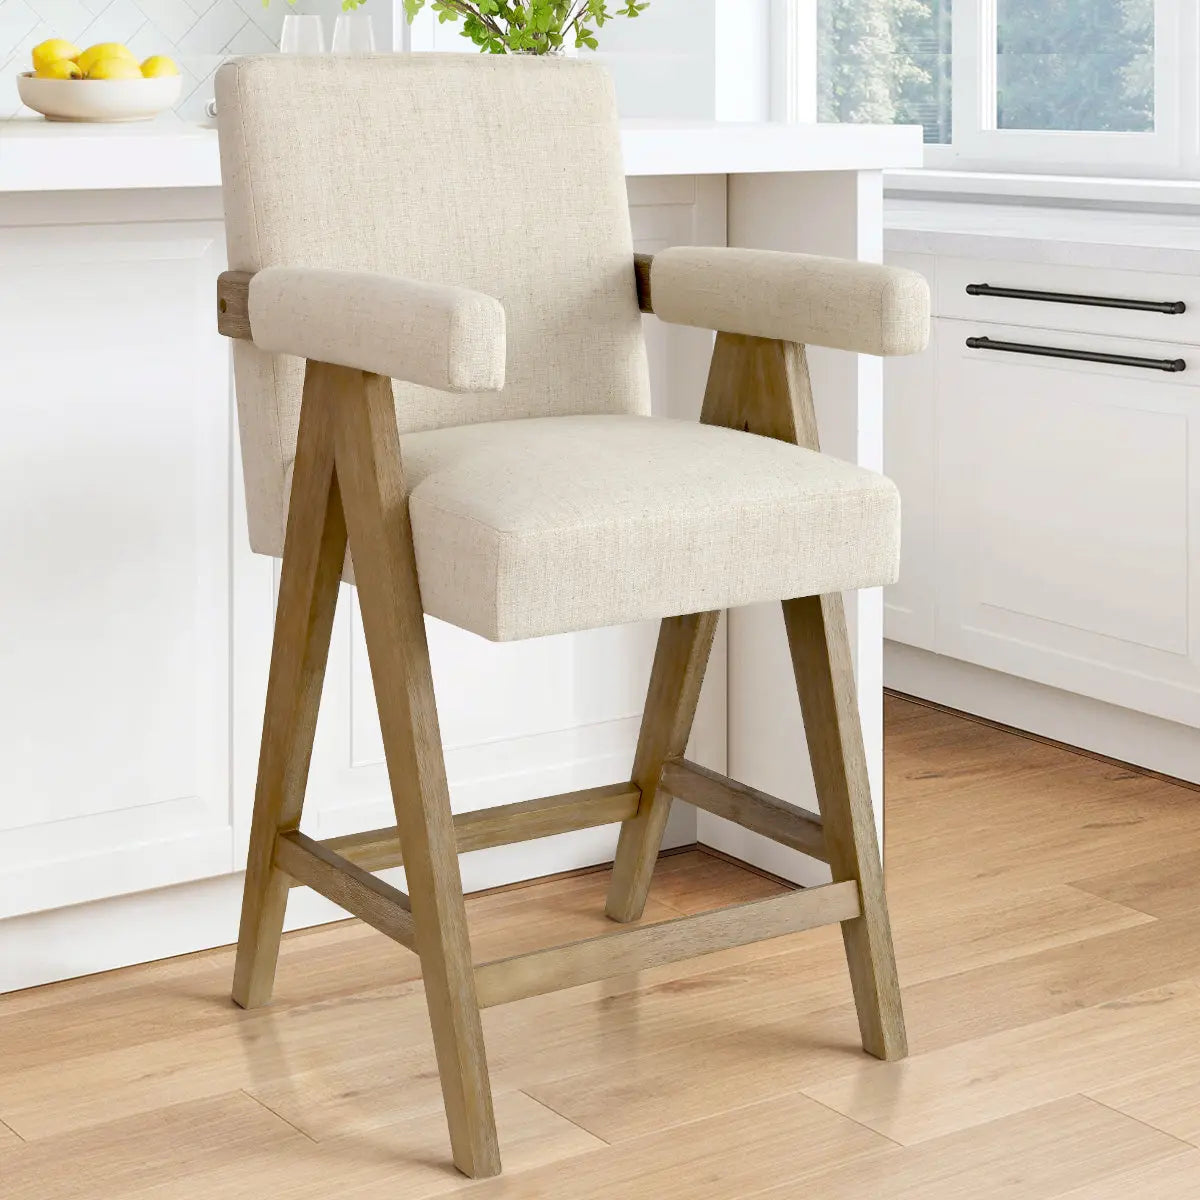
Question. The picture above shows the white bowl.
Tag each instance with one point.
(99, 99)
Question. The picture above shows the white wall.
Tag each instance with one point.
(681, 59)
(742, 66)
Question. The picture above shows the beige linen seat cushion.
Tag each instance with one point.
(554, 524)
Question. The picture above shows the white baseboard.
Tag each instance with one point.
(64, 943)
(1119, 733)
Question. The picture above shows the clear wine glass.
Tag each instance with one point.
(354, 33)
(302, 34)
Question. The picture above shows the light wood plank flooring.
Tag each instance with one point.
(1047, 912)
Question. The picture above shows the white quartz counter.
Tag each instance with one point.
(38, 155)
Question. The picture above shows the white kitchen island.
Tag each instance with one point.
(135, 623)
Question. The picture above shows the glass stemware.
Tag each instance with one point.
(302, 34)
(354, 33)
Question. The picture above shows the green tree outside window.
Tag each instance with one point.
(1062, 64)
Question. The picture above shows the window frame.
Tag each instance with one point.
(1171, 150)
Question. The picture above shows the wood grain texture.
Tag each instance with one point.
(754, 810)
(503, 825)
(1163, 888)
(233, 304)
(824, 671)
(706, 1073)
(642, 264)
(355, 1012)
(369, 472)
(1068, 1146)
(314, 551)
(639, 949)
(1167, 1098)
(123, 1157)
(988, 1077)
(1165, 1179)
(763, 387)
(676, 676)
(350, 887)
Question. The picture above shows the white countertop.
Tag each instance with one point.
(1018, 187)
(38, 155)
(1137, 241)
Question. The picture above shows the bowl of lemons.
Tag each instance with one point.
(102, 83)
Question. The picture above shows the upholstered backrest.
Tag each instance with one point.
(501, 174)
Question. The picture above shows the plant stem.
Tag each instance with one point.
(465, 9)
(575, 17)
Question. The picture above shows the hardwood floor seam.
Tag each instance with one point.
(570, 1120)
(852, 1119)
(263, 1104)
(1077, 885)
(1183, 1142)
(7, 1126)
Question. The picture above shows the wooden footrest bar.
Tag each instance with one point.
(746, 806)
(380, 848)
(314, 865)
(653, 945)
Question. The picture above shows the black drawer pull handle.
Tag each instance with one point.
(1173, 365)
(1171, 307)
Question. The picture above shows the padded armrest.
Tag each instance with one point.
(444, 337)
(793, 298)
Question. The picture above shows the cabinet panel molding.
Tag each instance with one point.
(1068, 501)
(114, 470)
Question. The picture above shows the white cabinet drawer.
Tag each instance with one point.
(1081, 299)
(1068, 501)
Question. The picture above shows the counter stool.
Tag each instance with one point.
(436, 312)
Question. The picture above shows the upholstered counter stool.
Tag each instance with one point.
(472, 426)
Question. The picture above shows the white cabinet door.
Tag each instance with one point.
(114, 535)
(1069, 517)
(910, 460)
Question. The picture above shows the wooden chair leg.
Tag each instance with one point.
(820, 647)
(371, 480)
(684, 644)
(763, 386)
(314, 551)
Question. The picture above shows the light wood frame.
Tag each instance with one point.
(348, 489)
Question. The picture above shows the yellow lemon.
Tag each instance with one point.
(114, 68)
(159, 64)
(60, 68)
(52, 50)
(94, 54)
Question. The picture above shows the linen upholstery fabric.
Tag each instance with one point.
(500, 174)
(550, 525)
(443, 337)
(793, 297)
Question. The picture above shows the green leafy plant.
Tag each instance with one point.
(532, 27)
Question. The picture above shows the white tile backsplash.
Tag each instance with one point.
(17, 20)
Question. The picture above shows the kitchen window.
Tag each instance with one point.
(1053, 86)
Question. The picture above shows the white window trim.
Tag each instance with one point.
(1171, 151)
(794, 61)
